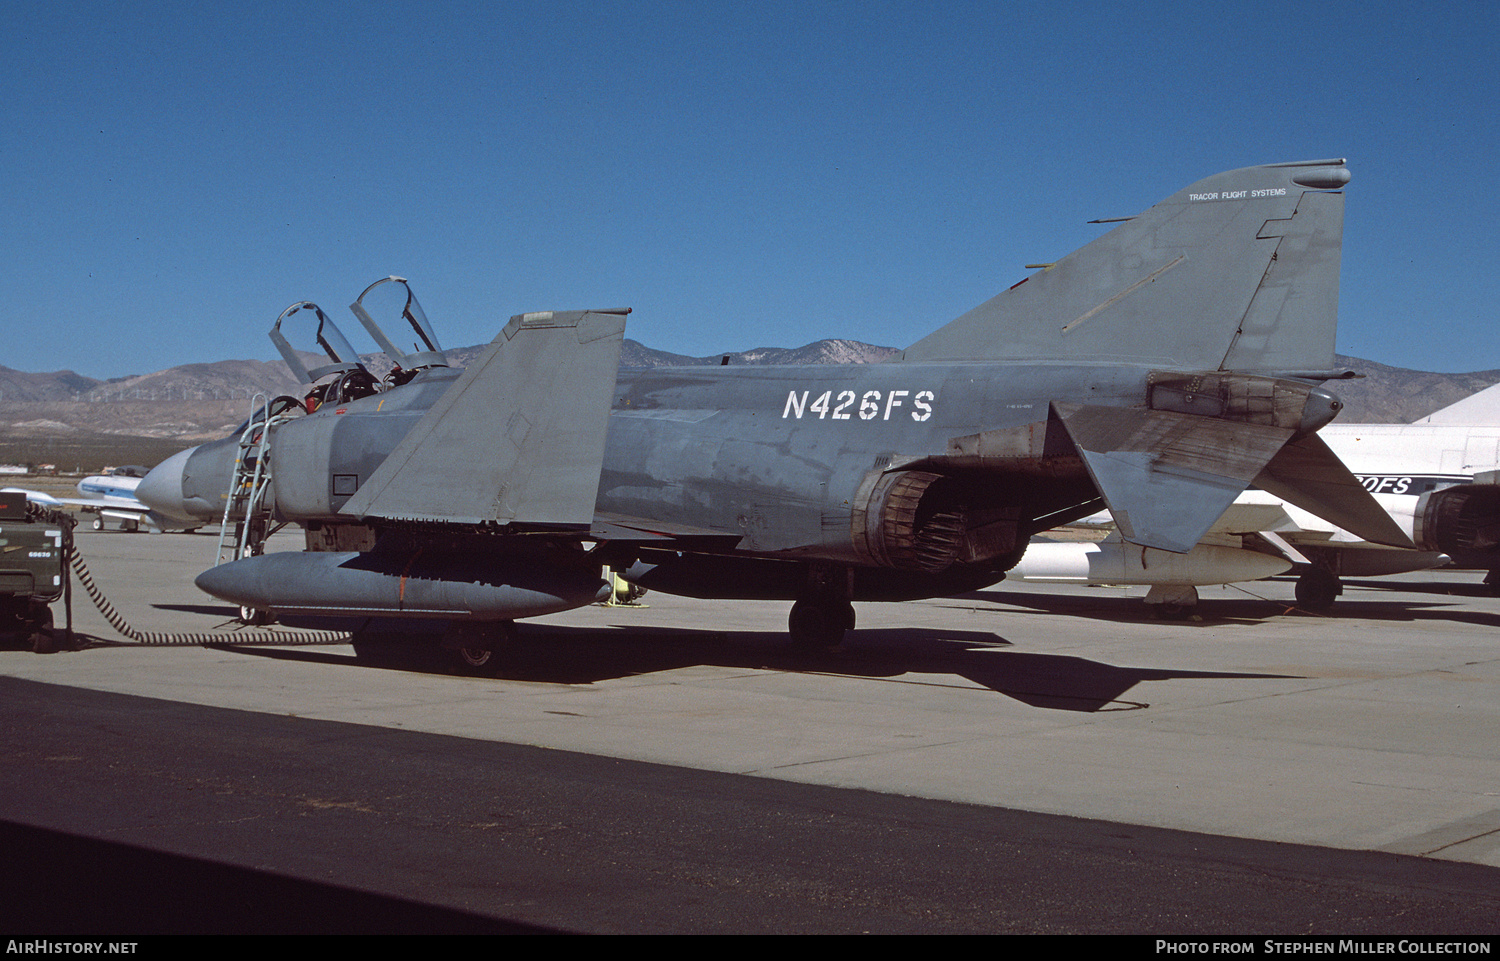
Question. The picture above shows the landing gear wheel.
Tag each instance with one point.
(255, 617)
(1492, 583)
(1317, 590)
(475, 658)
(477, 647)
(819, 624)
(98, 523)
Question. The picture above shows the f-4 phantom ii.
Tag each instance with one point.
(1157, 371)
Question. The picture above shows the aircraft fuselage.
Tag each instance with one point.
(779, 455)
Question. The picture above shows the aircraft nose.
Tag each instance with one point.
(161, 488)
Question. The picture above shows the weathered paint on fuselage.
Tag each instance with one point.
(779, 454)
(379, 422)
(775, 455)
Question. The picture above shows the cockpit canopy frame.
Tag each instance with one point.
(427, 354)
(328, 336)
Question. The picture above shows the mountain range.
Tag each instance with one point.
(193, 402)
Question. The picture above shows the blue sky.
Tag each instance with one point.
(742, 174)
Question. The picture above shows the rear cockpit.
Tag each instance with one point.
(425, 350)
(345, 377)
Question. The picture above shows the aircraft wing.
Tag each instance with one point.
(519, 437)
(88, 503)
(106, 504)
(126, 509)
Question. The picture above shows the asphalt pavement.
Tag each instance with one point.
(1028, 759)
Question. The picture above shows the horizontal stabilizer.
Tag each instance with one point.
(518, 439)
(1307, 474)
(1166, 476)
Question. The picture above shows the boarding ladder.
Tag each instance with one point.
(247, 516)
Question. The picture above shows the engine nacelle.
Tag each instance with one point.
(1461, 520)
(927, 523)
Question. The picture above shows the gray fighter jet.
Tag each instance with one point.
(1158, 372)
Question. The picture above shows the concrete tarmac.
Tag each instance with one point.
(1370, 730)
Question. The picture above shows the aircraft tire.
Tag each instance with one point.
(1317, 590)
(255, 617)
(98, 523)
(818, 624)
(474, 660)
(484, 661)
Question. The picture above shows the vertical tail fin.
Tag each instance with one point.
(1480, 408)
(1237, 272)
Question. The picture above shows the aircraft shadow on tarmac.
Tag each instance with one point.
(574, 655)
(1446, 589)
(1251, 610)
(913, 655)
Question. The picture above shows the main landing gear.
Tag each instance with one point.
(474, 649)
(477, 647)
(816, 624)
(824, 611)
(1317, 589)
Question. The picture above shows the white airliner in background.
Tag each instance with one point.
(1435, 477)
(111, 497)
